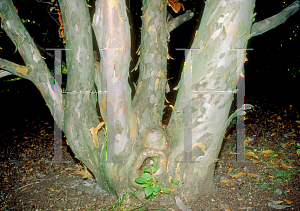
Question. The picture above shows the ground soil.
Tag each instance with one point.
(268, 180)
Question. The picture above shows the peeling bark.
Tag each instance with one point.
(188, 149)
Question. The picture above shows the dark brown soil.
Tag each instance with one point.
(270, 174)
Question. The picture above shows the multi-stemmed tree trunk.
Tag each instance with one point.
(187, 150)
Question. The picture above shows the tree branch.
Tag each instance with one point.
(174, 23)
(4, 73)
(13, 68)
(36, 69)
(270, 23)
(10, 68)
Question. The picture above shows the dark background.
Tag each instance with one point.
(272, 72)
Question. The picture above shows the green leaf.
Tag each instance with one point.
(159, 184)
(140, 180)
(298, 151)
(156, 179)
(177, 182)
(154, 169)
(154, 159)
(155, 193)
(147, 176)
(149, 191)
(173, 181)
(157, 189)
(166, 190)
(151, 180)
(145, 185)
(147, 170)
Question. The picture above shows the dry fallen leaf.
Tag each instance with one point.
(86, 174)
(251, 154)
(253, 175)
(266, 151)
(4, 207)
(239, 174)
(68, 168)
(287, 201)
(79, 171)
(266, 196)
(225, 181)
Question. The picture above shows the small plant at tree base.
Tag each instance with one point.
(149, 183)
(298, 149)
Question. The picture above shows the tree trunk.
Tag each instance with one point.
(187, 150)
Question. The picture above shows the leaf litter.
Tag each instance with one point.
(268, 180)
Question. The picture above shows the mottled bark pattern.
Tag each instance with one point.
(134, 132)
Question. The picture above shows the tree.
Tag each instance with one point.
(188, 148)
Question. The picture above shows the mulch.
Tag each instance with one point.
(268, 181)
